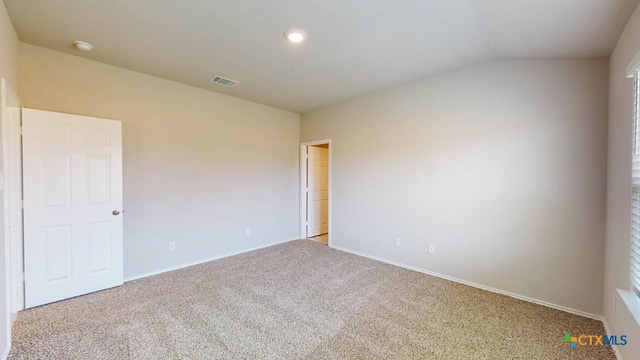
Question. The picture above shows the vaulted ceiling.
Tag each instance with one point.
(353, 47)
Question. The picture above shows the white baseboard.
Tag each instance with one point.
(202, 261)
(5, 353)
(479, 286)
(608, 330)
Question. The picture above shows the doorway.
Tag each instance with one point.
(316, 191)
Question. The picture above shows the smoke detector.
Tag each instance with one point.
(224, 81)
(83, 45)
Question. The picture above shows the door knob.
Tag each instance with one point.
(115, 212)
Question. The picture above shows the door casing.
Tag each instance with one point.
(303, 187)
(12, 209)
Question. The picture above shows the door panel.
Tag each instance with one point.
(58, 251)
(57, 179)
(98, 178)
(99, 246)
(72, 184)
(324, 190)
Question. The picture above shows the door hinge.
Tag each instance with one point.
(21, 130)
(22, 277)
(22, 204)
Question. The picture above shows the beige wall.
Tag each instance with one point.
(617, 275)
(9, 46)
(199, 167)
(501, 165)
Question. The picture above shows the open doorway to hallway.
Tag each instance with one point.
(315, 176)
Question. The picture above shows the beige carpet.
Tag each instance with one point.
(299, 300)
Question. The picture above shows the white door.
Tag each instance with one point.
(318, 184)
(72, 204)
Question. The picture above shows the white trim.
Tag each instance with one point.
(202, 261)
(632, 302)
(8, 97)
(6, 271)
(303, 192)
(13, 187)
(633, 65)
(475, 285)
(303, 181)
(607, 329)
(5, 353)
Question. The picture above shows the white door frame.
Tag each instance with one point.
(11, 160)
(13, 183)
(303, 187)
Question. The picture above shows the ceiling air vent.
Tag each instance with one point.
(224, 81)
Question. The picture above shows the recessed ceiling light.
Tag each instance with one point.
(295, 35)
(83, 45)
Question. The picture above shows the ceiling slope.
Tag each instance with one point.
(354, 47)
(552, 28)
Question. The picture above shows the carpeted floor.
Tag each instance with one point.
(299, 300)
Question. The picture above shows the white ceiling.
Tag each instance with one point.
(354, 47)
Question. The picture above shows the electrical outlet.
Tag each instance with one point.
(172, 245)
(398, 242)
(432, 249)
(247, 232)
